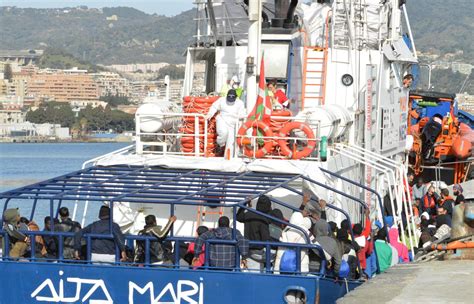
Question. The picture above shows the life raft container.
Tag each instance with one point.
(284, 146)
(249, 150)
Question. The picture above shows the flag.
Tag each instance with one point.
(263, 107)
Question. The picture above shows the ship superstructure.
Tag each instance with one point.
(341, 63)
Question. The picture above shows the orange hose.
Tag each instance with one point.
(453, 245)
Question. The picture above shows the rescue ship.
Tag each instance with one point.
(343, 138)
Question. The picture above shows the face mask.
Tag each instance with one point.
(235, 85)
(231, 98)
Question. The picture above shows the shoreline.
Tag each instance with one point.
(119, 139)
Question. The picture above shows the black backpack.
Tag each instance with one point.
(157, 252)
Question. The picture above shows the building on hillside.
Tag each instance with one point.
(21, 57)
(28, 129)
(139, 89)
(11, 116)
(175, 90)
(113, 84)
(18, 85)
(463, 68)
(112, 18)
(3, 87)
(440, 64)
(11, 102)
(14, 66)
(63, 87)
(137, 67)
(465, 102)
(81, 104)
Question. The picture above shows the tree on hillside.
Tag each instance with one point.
(121, 121)
(60, 59)
(54, 113)
(97, 118)
(114, 100)
(100, 119)
(171, 70)
(451, 82)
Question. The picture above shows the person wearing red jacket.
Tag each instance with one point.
(191, 248)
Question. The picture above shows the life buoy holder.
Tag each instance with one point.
(282, 112)
(267, 132)
(283, 143)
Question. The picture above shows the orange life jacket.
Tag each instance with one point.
(428, 202)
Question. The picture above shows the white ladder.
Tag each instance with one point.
(340, 24)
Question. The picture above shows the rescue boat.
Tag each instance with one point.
(439, 137)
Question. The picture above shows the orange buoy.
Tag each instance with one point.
(248, 149)
(283, 143)
(461, 147)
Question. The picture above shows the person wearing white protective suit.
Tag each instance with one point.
(230, 109)
(233, 83)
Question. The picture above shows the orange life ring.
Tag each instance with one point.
(283, 143)
(267, 132)
(283, 112)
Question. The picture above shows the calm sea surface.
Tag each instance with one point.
(24, 164)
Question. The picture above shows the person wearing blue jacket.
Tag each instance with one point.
(103, 249)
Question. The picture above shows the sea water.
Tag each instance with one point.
(23, 164)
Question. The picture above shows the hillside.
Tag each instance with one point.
(128, 36)
(123, 35)
(443, 26)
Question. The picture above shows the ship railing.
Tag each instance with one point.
(269, 257)
(166, 141)
(103, 190)
(269, 246)
(121, 151)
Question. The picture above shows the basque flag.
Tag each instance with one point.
(263, 107)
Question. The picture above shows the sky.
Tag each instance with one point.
(161, 7)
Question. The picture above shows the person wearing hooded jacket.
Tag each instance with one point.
(402, 250)
(158, 254)
(332, 251)
(293, 235)
(230, 109)
(18, 241)
(256, 228)
(457, 191)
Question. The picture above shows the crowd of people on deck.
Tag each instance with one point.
(353, 251)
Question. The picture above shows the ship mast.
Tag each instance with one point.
(253, 53)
